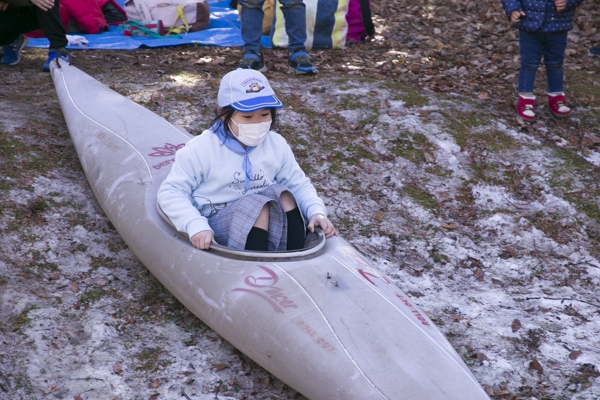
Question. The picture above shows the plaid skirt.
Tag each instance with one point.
(232, 224)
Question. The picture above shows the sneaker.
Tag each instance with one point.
(300, 62)
(254, 61)
(594, 51)
(12, 52)
(558, 105)
(525, 108)
(61, 54)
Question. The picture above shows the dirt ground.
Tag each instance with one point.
(489, 224)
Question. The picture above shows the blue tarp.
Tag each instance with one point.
(224, 30)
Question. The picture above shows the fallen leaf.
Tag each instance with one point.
(535, 365)
(483, 96)
(478, 273)
(516, 325)
(156, 383)
(429, 158)
(379, 216)
(416, 294)
(74, 287)
(218, 367)
(101, 282)
(154, 396)
(78, 397)
(117, 369)
(575, 354)
(449, 226)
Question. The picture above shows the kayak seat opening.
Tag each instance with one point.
(313, 242)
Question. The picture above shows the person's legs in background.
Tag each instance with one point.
(531, 56)
(251, 17)
(294, 12)
(51, 24)
(13, 23)
(554, 57)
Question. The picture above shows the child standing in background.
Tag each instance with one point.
(543, 26)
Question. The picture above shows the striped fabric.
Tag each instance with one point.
(326, 24)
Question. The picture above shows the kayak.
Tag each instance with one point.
(322, 319)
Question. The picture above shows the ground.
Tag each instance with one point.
(491, 225)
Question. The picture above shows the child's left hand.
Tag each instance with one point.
(324, 223)
(560, 5)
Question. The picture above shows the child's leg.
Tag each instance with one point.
(258, 237)
(554, 57)
(296, 231)
(294, 12)
(16, 21)
(52, 26)
(251, 18)
(531, 57)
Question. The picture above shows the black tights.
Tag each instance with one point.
(258, 239)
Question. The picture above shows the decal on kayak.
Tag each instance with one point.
(167, 150)
(367, 274)
(264, 287)
(415, 312)
(310, 331)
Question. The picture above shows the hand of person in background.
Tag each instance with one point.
(202, 240)
(515, 16)
(43, 4)
(3, 6)
(560, 5)
(324, 223)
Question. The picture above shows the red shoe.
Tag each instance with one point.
(558, 106)
(525, 108)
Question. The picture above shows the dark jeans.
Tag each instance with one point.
(19, 20)
(533, 46)
(294, 12)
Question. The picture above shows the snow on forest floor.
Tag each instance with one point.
(491, 230)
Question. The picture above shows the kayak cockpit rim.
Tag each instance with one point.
(313, 244)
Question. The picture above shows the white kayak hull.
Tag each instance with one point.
(323, 321)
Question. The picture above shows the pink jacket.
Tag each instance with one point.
(87, 13)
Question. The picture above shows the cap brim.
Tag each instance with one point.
(257, 103)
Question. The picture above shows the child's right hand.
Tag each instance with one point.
(202, 240)
(515, 16)
(560, 5)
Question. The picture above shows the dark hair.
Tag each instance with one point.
(227, 113)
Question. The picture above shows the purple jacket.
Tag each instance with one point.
(541, 15)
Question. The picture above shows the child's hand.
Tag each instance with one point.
(515, 16)
(560, 5)
(45, 5)
(324, 223)
(202, 240)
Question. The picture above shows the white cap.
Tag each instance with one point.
(247, 90)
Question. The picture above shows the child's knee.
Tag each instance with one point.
(287, 201)
(554, 67)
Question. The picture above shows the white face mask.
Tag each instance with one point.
(252, 134)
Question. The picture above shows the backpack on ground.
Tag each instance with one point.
(178, 16)
(329, 23)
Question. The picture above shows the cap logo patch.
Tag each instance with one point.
(254, 88)
(253, 85)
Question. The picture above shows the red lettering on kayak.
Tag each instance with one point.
(271, 302)
(263, 286)
(163, 164)
(322, 342)
(415, 312)
(364, 275)
(167, 150)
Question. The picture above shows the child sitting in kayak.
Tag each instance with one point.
(238, 183)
